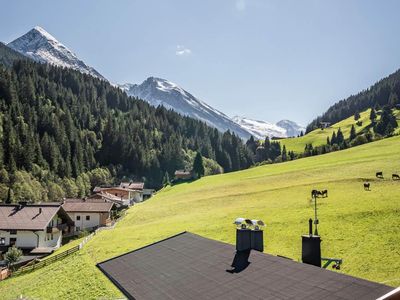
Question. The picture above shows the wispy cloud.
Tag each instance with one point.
(240, 5)
(182, 51)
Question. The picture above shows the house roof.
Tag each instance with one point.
(84, 206)
(110, 197)
(182, 172)
(132, 185)
(188, 266)
(88, 199)
(118, 188)
(28, 217)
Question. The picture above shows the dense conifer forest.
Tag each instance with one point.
(62, 132)
(385, 92)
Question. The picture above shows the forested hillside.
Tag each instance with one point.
(384, 92)
(58, 126)
(8, 56)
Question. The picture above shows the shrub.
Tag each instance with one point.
(359, 140)
(13, 255)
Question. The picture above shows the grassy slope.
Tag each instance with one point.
(318, 137)
(359, 226)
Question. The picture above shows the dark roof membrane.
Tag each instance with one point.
(188, 266)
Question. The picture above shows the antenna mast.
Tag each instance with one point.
(315, 218)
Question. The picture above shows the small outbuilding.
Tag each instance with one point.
(183, 175)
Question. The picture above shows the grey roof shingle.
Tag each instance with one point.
(132, 185)
(188, 266)
(84, 206)
(16, 217)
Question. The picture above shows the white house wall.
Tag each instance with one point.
(26, 239)
(83, 223)
(137, 196)
(30, 239)
(45, 239)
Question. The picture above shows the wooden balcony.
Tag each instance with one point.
(56, 228)
(63, 226)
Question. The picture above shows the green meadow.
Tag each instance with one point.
(318, 137)
(361, 227)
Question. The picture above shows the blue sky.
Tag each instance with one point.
(266, 60)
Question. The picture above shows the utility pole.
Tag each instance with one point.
(315, 218)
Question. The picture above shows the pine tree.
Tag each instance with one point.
(198, 167)
(284, 155)
(352, 133)
(9, 196)
(339, 137)
(357, 116)
(333, 139)
(166, 180)
(251, 144)
(372, 115)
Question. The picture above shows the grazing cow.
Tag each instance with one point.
(379, 174)
(314, 194)
(317, 194)
(324, 193)
(395, 177)
(367, 186)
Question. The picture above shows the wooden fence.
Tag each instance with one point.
(41, 263)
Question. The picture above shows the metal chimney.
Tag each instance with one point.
(249, 235)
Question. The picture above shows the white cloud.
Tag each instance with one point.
(240, 5)
(182, 50)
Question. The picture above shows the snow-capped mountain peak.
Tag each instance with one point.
(261, 129)
(158, 91)
(45, 34)
(41, 46)
(292, 128)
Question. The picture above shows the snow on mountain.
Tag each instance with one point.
(292, 128)
(41, 46)
(261, 129)
(159, 91)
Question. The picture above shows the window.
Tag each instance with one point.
(2, 241)
(78, 218)
(87, 218)
(13, 232)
